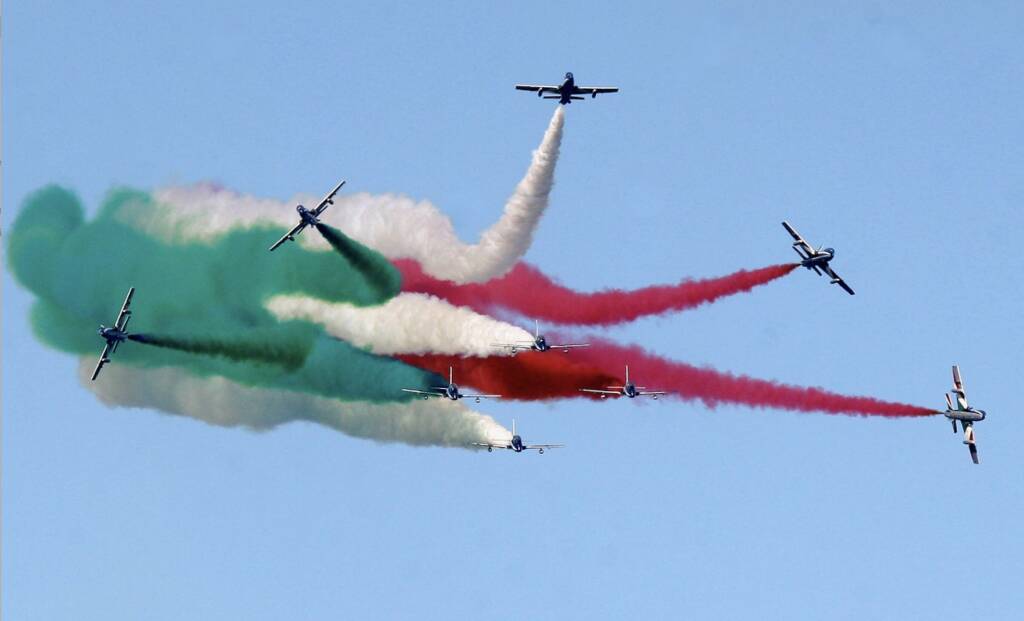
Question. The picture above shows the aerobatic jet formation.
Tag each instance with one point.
(817, 260)
(116, 334)
(308, 217)
(567, 91)
(629, 389)
(451, 391)
(539, 343)
(517, 444)
(962, 412)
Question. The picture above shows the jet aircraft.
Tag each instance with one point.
(116, 334)
(817, 260)
(630, 390)
(964, 413)
(567, 91)
(308, 217)
(516, 444)
(451, 391)
(539, 343)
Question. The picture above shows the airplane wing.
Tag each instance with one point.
(958, 382)
(602, 392)
(481, 396)
(808, 249)
(289, 235)
(958, 388)
(594, 90)
(516, 345)
(541, 447)
(104, 359)
(122, 317)
(645, 393)
(836, 279)
(569, 345)
(327, 200)
(422, 392)
(503, 445)
(969, 441)
(537, 88)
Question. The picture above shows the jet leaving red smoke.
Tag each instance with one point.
(550, 375)
(528, 291)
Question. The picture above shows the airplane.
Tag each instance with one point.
(817, 260)
(308, 217)
(567, 91)
(516, 444)
(539, 343)
(630, 390)
(114, 335)
(963, 413)
(451, 391)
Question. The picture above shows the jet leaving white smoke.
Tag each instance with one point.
(394, 225)
(219, 401)
(409, 323)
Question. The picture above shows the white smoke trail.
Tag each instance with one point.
(394, 225)
(219, 401)
(409, 323)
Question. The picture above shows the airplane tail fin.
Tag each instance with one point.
(627, 374)
(451, 375)
(949, 401)
(513, 426)
(536, 330)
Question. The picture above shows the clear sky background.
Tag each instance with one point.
(891, 132)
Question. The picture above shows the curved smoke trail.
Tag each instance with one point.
(528, 291)
(407, 324)
(395, 226)
(219, 401)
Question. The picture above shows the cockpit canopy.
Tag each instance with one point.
(568, 75)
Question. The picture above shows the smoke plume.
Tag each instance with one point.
(379, 273)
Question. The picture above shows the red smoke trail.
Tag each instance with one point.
(714, 387)
(529, 376)
(551, 375)
(527, 290)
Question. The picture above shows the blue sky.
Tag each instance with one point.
(890, 132)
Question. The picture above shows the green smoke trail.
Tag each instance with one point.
(270, 347)
(194, 292)
(378, 271)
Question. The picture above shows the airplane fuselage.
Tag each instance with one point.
(565, 91)
(970, 415)
(629, 390)
(112, 335)
(517, 444)
(820, 259)
(307, 216)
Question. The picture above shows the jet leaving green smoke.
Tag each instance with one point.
(200, 297)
